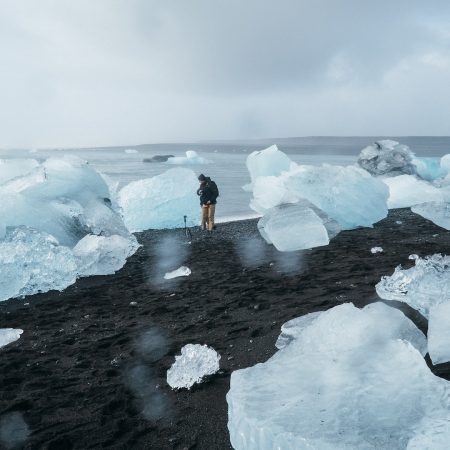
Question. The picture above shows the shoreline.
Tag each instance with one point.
(89, 370)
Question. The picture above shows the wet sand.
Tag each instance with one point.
(89, 370)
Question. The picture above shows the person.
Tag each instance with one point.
(208, 193)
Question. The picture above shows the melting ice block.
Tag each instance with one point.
(191, 157)
(422, 286)
(437, 212)
(429, 168)
(350, 380)
(439, 333)
(407, 190)
(445, 162)
(103, 255)
(387, 157)
(297, 226)
(62, 197)
(32, 262)
(294, 328)
(182, 271)
(195, 362)
(8, 335)
(12, 168)
(161, 201)
(267, 162)
(46, 209)
(349, 195)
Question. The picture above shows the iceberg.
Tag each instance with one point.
(423, 286)
(161, 201)
(407, 190)
(182, 271)
(439, 333)
(8, 335)
(387, 157)
(191, 157)
(267, 162)
(350, 380)
(374, 250)
(130, 150)
(436, 212)
(296, 226)
(195, 362)
(47, 209)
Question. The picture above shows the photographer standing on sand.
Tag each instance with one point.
(208, 193)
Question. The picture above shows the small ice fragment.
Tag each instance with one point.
(130, 150)
(439, 333)
(195, 362)
(376, 250)
(8, 335)
(398, 222)
(182, 271)
(133, 303)
(191, 157)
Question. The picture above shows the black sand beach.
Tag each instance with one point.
(89, 370)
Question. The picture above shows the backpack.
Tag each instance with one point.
(214, 188)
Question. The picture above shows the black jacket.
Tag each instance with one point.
(208, 192)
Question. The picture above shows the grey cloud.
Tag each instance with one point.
(116, 71)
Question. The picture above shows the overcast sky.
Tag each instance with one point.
(110, 72)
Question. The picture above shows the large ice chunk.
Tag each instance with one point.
(8, 335)
(387, 157)
(407, 190)
(103, 255)
(429, 168)
(297, 226)
(439, 333)
(422, 286)
(349, 195)
(350, 380)
(32, 261)
(267, 162)
(161, 201)
(437, 212)
(195, 362)
(46, 210)
(192, 157)
(445, 162)
(294, 328)
(12, 168)
(64, 197)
